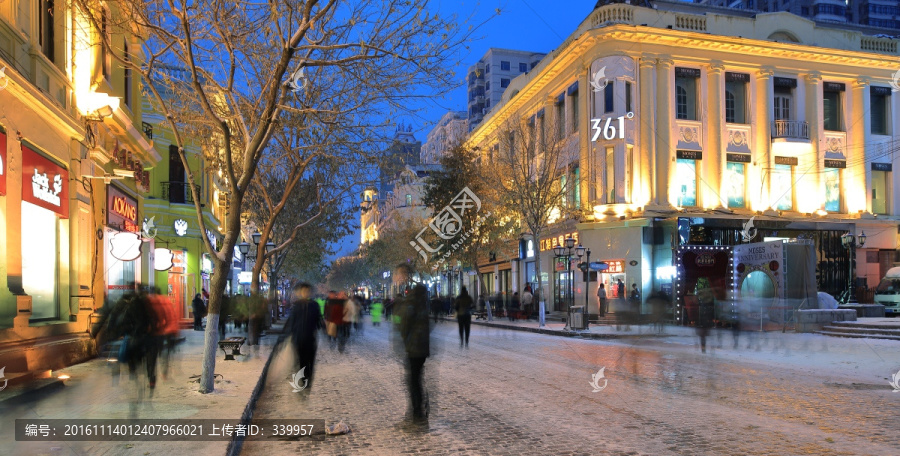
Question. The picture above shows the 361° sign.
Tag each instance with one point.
(608, 130)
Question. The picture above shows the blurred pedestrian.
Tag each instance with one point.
(334, 316)
(225, 311)
(706, 312)
(376, 311)
(199, 309)
(620, 289)
(513, 307)
(463, 307)
(527, 301)
(415, 334)
(658, 302)
(350, 314)
(302, 327)
(602, 301)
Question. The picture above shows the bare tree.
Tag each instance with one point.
(532, 169)
(237, 59)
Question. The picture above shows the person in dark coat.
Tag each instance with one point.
(706, 312)
(302, 327)
(199, 312)
(223, 315)
(415, 334)
(463, 307)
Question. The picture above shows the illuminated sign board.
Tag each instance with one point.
(550, 243)
(121, 210)
(44, 183)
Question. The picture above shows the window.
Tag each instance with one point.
(409, 200)
(40, 239)
(804, 11)
(574, 100)
(610, 171)
(832, 189)
(504, 65)
(487, 86)
(880, 109)
(831, 110)
(628, 97)
(608, 93)
(46, 28)
(735, 181)
(783, 187)
(881, 191)
(560, 119)
(834, 10)
(736, 102)
(782, 103)
(504, 83)
(127, 85)
(686, 98)
(487, 69)
(523, 67)
(564, 185)
(576, 184)
(686, 177)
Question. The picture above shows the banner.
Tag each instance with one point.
(44, 183)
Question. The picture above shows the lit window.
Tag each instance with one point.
(686, 178)
(833, 190)
(686, 98)
(735, 180)
(783, 187)
(881, 185)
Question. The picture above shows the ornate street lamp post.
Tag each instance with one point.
(580, 251)
(565, 250)
(849, 241)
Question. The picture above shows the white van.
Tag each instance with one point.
(888, 292)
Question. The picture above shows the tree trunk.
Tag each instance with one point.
(539, 291)
(256, 300)
(211, 338)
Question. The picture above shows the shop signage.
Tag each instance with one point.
(245, 277)
(162, 259)
(833, 86)
(689, 154)
(615, 266)
(784, 82)
(738, 158)
(2, 163)
(561, 264)
(550, 243)
(121, 211)
(786, 160)
(125, 246)
(835, 163)
(736, 77)
(44, 183)
(880, 90)
(180, 226)
(206, 264)
(179, 262)
(681, 72)
(599, 266)
(882, 167)
(705, 259)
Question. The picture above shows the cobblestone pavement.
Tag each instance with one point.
(521, 393)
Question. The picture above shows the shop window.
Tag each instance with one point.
(576, 184)
(610, 171)
(735, 180)
(831, 110)
(40, 260)
(832, 190)
(736, 102)
(783, 187)
(881, 185)
(686, 178)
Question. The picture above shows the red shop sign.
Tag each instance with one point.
(3, 163)
(122, 210)
(44, 183)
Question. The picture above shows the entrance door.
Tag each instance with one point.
(176, 293)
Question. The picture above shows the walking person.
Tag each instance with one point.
(334, 317)
(350, 315)
(527, 301)
(376, 311)
(463, 307)
(602, 301)
(302, 326)
(199, 312)
(706, 311)
(415, 335)
(658, 302)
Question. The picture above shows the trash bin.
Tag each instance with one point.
(577, 317)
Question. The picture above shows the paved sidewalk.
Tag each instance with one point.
(93, 392)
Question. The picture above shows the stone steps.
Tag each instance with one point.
(861, 330)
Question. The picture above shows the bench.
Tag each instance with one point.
(234, 344)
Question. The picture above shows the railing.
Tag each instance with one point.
(613, 14)
(874, 44)
(178, 192)
(148, 130)
(793, 129)
(690, 22)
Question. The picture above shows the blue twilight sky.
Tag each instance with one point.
(528, 25)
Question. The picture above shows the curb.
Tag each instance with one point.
(19, 394)
(237, 442)
(553, 332)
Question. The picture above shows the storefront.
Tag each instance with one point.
(177, 284)
(122, 244)
(45, 208)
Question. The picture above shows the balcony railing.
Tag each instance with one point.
(791, 129)
(178, 192)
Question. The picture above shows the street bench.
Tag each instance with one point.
(234, 344)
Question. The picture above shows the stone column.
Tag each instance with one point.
(813, 89)
(713, 192)
(858, 131)
(762, 124)
(646, 117)
(584, 136)
(665, 147)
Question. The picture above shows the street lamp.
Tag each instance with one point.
(849, 241)
(244, 247)
(580, 252)
(269, 246)
(256, 237)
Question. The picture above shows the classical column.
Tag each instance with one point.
(813, 89)
(858, 175)
(584, 136)
(762, 122)
(665, 153)
(647, 119)
(714, 190)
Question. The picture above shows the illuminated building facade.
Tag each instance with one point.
(72, 182)
(702, 121)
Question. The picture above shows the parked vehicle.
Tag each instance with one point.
(888, 292)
